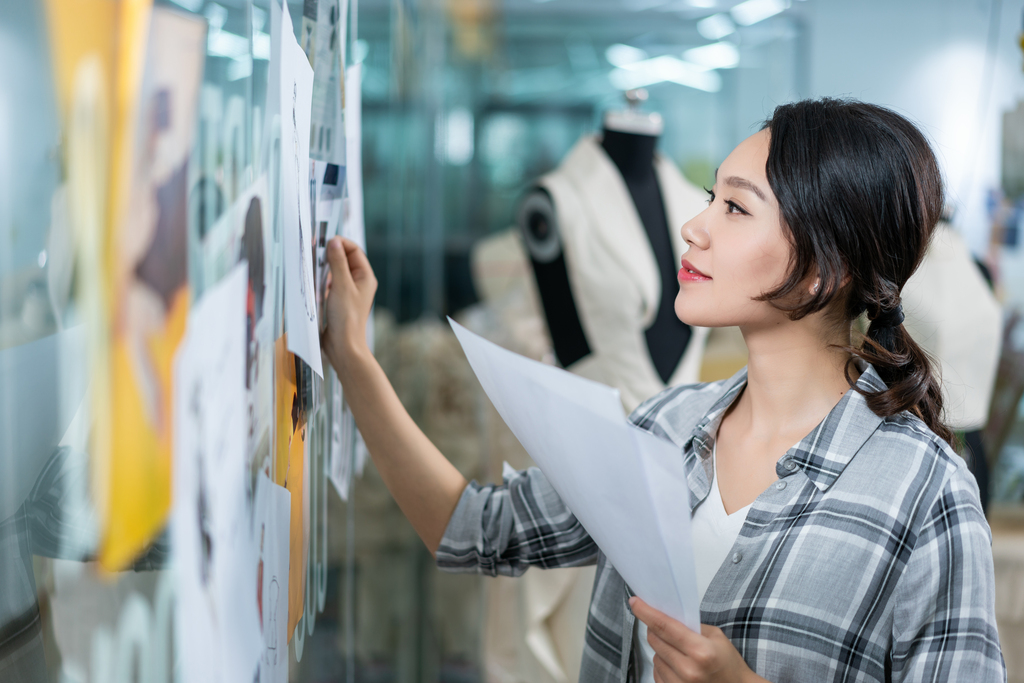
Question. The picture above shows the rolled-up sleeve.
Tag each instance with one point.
(944, 623)
(503, 530)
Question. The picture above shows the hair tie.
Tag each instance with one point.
(890, 318)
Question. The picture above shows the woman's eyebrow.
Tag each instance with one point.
(744, 184)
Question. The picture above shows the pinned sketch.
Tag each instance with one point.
(295, 90)
(243, 234)
(271, 526)
(149, 287)
(217, 618)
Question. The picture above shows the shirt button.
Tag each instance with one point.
(789, 464)
(736, 557)
(780, 485)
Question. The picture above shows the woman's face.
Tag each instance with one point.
(736, 246)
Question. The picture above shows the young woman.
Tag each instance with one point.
(838, 535)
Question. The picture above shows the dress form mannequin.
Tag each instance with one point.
(599, 233)
(631, 148)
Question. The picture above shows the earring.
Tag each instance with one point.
(814, 288)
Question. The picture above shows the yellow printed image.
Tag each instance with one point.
(289, 470)
(148, 286)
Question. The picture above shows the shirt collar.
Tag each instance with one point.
(824, 453)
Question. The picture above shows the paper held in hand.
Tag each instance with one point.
(626, 486)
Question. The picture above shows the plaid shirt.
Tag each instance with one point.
(869, 559)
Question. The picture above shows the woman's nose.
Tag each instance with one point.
(695, 232)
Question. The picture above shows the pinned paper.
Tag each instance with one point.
(343, 431)
(291, 469)
(323, 39)
(217, 618)
(243, 234)
(295, 89)
(271, 526)
(330, 182)
(354, 227)
(149, 293)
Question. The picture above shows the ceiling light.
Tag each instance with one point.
(190, 5)
(665, 68)
(716, 27)
(621, 55)
(703, 4)
(753, 11)
(220, 43)
(714, 56)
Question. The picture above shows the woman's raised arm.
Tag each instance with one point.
(426, 486)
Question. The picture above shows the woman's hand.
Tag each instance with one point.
(682, 655)
(350, 290)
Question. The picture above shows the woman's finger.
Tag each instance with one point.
(672, 659)
(665, 673)
(667, 628)
(358, 263)
(337, 257)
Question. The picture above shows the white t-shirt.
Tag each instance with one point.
(714, 533)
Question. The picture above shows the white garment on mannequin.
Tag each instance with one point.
(612, 268)
(951, 312)
(714, 533)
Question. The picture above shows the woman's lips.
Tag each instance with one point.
(690, 274)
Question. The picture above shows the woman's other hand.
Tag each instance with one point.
(350, 291)
(682, 655)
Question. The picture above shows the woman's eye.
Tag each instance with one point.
(733, 207)
(711, 196)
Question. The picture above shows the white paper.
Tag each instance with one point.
(272, 518)
(627, 487)
(217, 622)
(296, 91)
(324, 38)
(354, 227)
(329, 179)
(341, 439)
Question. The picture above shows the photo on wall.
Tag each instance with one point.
(150, 289)
(243, 234)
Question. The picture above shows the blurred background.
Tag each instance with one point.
(465, 104)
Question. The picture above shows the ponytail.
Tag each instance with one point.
(906, 370)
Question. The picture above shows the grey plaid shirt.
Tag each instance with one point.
(869, 559)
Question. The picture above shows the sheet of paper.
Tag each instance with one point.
(296, 90)
(330, 181)
(341, 438)
(148, 280)
(217, 619)
(271, 526)
(627, 487)
(323, 38)
(354, 227)
(242, 233)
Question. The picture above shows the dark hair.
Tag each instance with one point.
(860, 193)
